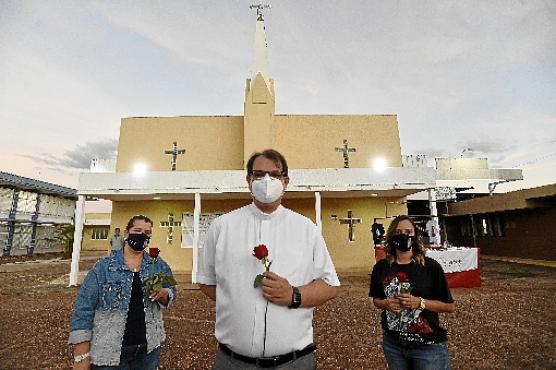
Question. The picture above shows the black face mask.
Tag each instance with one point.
(138, 242)
(403, 242)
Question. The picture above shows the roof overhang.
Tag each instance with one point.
(458, 174)
(231, 184)
(97, 222)
(10, 180)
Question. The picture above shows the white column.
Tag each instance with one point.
(318, 216)
(196, 219)
(77, 237)
(432, 204)
(434, 215)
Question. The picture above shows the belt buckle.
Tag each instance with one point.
(266, 361)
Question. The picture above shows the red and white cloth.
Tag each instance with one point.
(455, 259)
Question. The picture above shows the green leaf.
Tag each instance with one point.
(258, 281)
(155, 288)
(170, 280)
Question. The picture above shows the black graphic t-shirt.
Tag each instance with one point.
(428, 282)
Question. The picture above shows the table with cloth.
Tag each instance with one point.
(460, 265)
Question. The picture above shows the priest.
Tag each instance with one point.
(266, 267)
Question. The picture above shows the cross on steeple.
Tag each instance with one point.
(345, 149)
(174, 153)
(350, 221)
(170, 224)
(259, 8)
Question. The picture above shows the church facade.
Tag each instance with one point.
(345, 171)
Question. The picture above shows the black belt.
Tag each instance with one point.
(268, 361)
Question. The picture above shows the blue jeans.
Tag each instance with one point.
(135, 358)
(415, 356)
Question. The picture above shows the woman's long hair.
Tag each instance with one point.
(418, 247)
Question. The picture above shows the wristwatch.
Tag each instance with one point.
(422, 303)
(296, 298)
(81, 357)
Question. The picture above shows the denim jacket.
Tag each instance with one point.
(100, 312)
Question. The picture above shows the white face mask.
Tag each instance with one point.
(267, 189)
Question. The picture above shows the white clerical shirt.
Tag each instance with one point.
(245, 321)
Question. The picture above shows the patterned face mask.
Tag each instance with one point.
(138, 242)
(403, 242)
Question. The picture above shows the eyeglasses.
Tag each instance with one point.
(257, 175)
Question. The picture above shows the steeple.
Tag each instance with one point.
(258, 121)
(260, 60)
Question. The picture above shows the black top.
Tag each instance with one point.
(428, 282)
(135, 328)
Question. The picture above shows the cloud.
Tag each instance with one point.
(470, 74)
(80, 157)
(485, 146)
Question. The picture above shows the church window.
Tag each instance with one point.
(100, 233)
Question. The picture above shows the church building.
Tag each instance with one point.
(182, 172)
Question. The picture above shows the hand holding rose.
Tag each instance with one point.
(276, 289)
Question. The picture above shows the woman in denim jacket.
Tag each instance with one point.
(114, 326)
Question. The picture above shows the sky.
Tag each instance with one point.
(460, 75)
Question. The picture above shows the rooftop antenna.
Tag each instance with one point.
(466, 150)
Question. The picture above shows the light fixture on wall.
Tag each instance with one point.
(139, 169)
(380, 164)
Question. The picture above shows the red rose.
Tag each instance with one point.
(260, 251)
(402, 277)
(153, 252)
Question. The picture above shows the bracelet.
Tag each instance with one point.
(421, 303)
(81, 357)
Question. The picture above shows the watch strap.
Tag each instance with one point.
(296, 298)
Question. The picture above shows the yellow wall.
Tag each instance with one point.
(89, 244)
(309, 141)
(180, 259)
(211, 143)
(359, 255)
(218, 142)
(351, 257)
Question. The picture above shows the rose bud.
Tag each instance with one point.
(153, 252)
(260, 251)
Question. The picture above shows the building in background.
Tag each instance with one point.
(33, 214)
(96, 232)
(457, 179)
(515, 224)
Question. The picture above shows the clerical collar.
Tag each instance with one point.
(265, 216)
